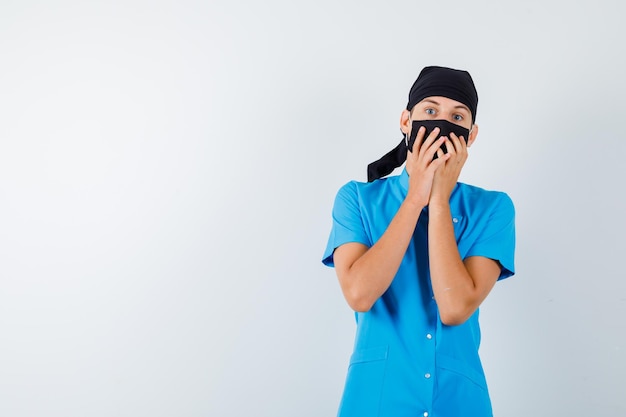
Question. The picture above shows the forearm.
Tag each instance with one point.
(453, 286)
(372, 273)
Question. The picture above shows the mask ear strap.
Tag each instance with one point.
(406, 137)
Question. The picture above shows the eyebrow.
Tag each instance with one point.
(459, 106)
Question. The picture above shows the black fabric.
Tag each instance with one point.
(446, 82)
(390, 161)
(432, 81)
(396, 157)
(445, 128)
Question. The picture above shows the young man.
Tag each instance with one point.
(416, 254)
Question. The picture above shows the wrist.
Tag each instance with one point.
(415, 202)
(438, 202)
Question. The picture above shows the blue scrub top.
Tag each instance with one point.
(405, 361)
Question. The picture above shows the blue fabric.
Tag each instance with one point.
(405, 361)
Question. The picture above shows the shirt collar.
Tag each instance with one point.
(404, 180)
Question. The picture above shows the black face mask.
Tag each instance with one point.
(396, 157)
(445, 128)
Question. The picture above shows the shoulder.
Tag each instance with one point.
(483, 199)
(364, 190)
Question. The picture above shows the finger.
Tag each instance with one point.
(450, 149)
(441, 159)
(462, 149)
(432, 137)
(433, 149)
(459, 142)
(418, 139)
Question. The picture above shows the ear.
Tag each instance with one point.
(405, 124)
(472, 135)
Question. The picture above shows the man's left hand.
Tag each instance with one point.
(447, 175)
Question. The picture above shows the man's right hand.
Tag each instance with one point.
(421, 167)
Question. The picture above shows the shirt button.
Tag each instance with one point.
(425, 413)
(455, 220)
(426, 375)
(429, 336)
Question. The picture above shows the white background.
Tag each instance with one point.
(167, 173)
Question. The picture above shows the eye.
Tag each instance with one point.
(430, 111)
(457, 117)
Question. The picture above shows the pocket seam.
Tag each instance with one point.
(473, 376)
(372, 354)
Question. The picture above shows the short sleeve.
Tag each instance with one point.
(347, 222)
(497, 239)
